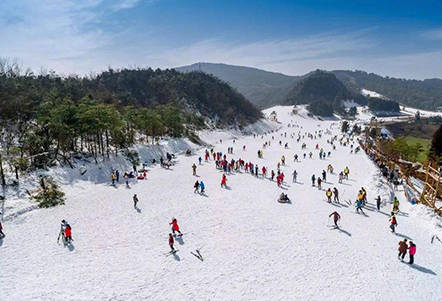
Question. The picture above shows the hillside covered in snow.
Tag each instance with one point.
(252, 246)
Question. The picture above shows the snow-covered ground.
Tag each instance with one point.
(254, 248)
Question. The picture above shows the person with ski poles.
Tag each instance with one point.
(336, 218)
(329, 194)
(175, 227)
(135, 198)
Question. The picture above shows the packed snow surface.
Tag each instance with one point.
(253, 247)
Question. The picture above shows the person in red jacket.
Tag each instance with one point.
(224, 181)
(171, 241)
(175, 226)
(68, 233)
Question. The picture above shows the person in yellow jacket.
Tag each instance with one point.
(346, 172)
(113, 177)
(329, 194)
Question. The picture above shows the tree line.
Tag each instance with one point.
(47, 118)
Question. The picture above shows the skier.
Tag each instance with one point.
(135, 198)
(295, 158)
(203, 187)
(319, 183)
(378, 202)
(273, 174)
(117, 175)
(313, 180)
(411, 252)
(194, 169)
(295, 175)
(341, 177)
(393, 222)
(196, 186)
(324, 176)
(200, 160)
(171, 241)
(126, 178)
(336, 194)
(336, 218)
(62, 233)
(346, 172)
(175, 227)
(2, 235)
(113, 177)
(329, 194)
(395, 204)
(224, 181)
(359, 206)
(403, 247)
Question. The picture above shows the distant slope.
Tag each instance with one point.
(422, 94)
(262, 88)
(318, 86)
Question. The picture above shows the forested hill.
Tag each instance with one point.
(423, 94)
(266, 89)
(111, 111)
(262, 88)
(22, 96)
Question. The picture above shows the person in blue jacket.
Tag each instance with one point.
(359, 206)
(202, 187)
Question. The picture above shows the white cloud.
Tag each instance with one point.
(125, 4)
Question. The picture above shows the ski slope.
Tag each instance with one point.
(253, 247)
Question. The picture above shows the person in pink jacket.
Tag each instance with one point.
(411, 252)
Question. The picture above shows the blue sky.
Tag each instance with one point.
(395, 38)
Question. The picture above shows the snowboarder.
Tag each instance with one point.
(403, 247)
(135, 198)
(329, 194)
(196, 186)
(175, 226)
(393, 222)
(411, 252)
(336, 218)
(378, 202)
(171, 241)
(194, 169)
